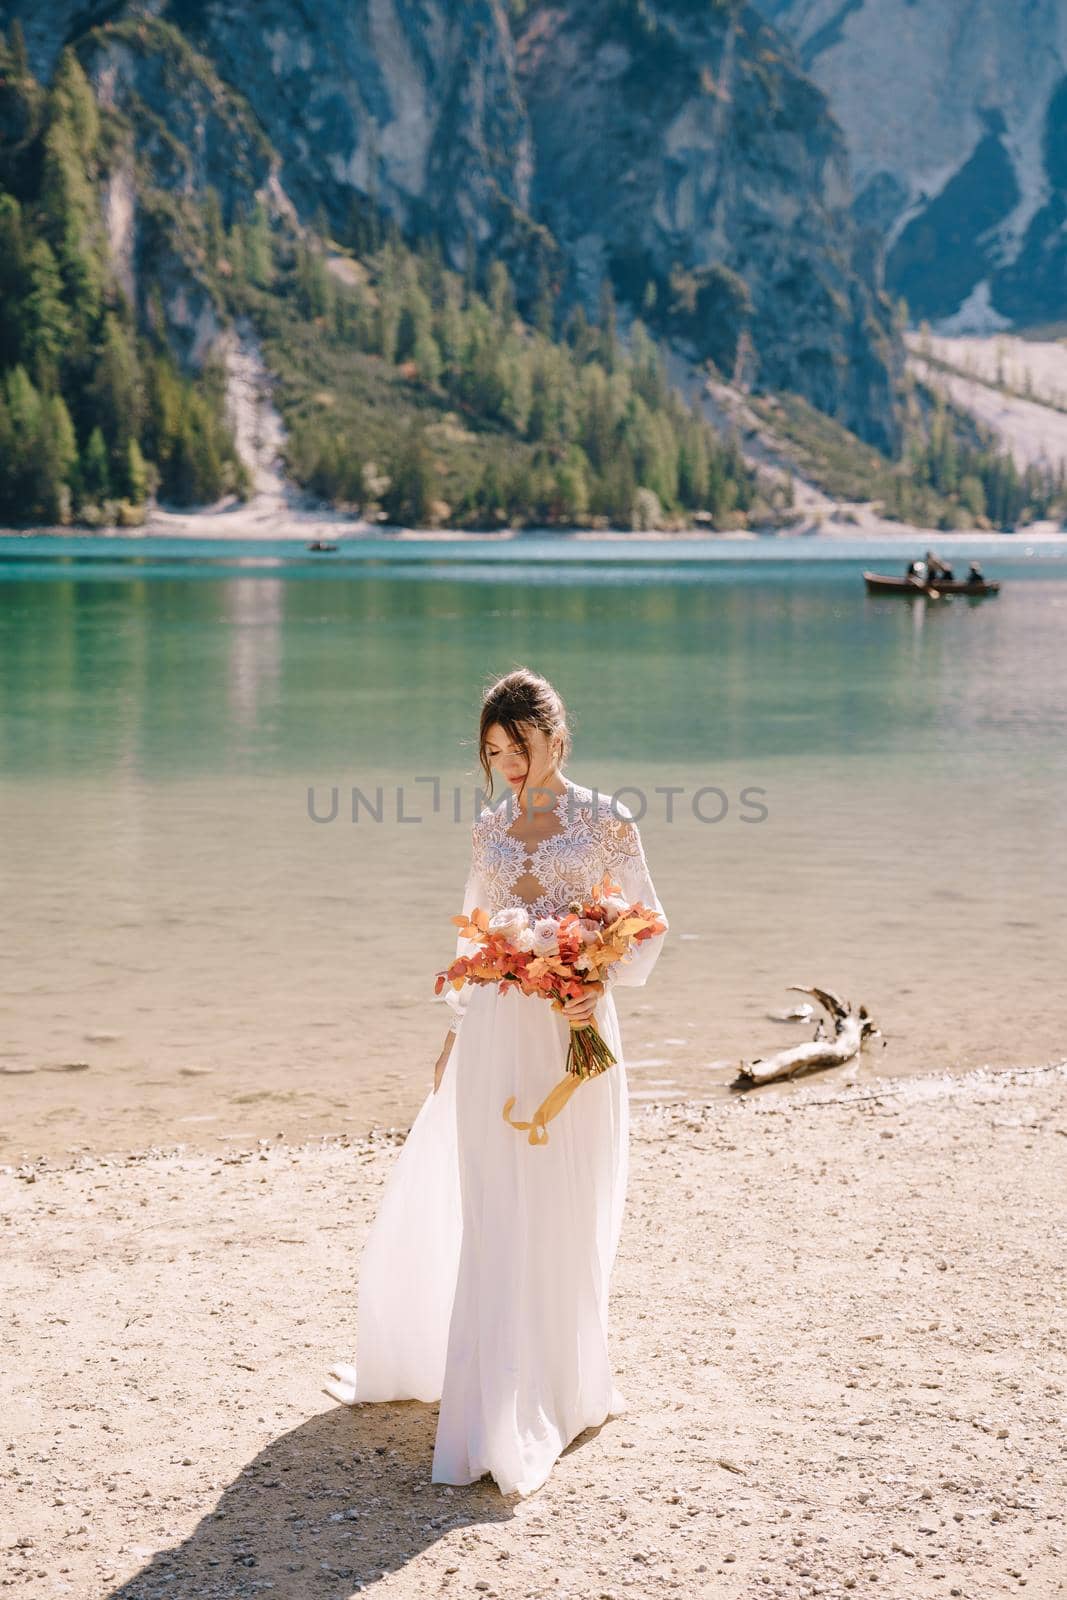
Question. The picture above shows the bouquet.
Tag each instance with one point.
(557, 958)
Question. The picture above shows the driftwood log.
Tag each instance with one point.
(829, 1048)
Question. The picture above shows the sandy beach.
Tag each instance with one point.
(287, 515)
(837, 1319)
(256, 520)
(252, 522)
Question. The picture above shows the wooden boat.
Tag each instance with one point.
(320, 544)
(883, 583)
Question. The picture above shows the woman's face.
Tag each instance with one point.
(506, 757)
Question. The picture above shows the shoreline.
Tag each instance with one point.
(930, 538)
(815, 1088)
(274, 522)
(842, 1360)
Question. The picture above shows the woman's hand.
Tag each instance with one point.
(580, 1012)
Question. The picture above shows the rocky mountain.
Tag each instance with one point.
(679, 149)
(673, 146)
(412, 103)
(955, 114)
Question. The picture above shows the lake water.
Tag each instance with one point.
(868, 795)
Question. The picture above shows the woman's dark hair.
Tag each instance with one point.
(523, 699)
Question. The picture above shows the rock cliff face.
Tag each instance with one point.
(955, 113)
(671, 143)
(413, 102)
(679, 140)
(183, 133)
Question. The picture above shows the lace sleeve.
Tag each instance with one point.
(624, 859)
(474, 895)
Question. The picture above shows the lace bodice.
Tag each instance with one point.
(590, 839)
(593, 837)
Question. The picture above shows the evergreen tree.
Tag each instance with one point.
(608, 343)
(46, 326)
(572, 480)
(74, 104)
(12, 281)
(117, 392)
(20, 61)
(72, 222)
(501, 295)
(258, 248)
(545, 302)
(137, 475)
(95, 472)
(409, 498)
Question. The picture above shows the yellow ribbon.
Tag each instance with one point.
(550, 1107)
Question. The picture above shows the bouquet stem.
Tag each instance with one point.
(587, 1053)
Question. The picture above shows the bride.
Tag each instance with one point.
(484, 1278)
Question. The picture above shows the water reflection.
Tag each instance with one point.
(178, 925)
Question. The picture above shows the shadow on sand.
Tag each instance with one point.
(327, 1509)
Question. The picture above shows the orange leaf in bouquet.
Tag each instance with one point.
(596, 934)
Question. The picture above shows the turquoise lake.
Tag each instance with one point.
(860, 793)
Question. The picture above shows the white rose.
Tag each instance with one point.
(614, 905)
(545, 937)
(510, 922)
(590, 932)
(525, 941)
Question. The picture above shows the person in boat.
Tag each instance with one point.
(917, 570)
(975, 573)
(938, 568)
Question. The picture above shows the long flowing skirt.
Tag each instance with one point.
(484, 1278)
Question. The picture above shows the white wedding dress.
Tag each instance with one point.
(483, 1281)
